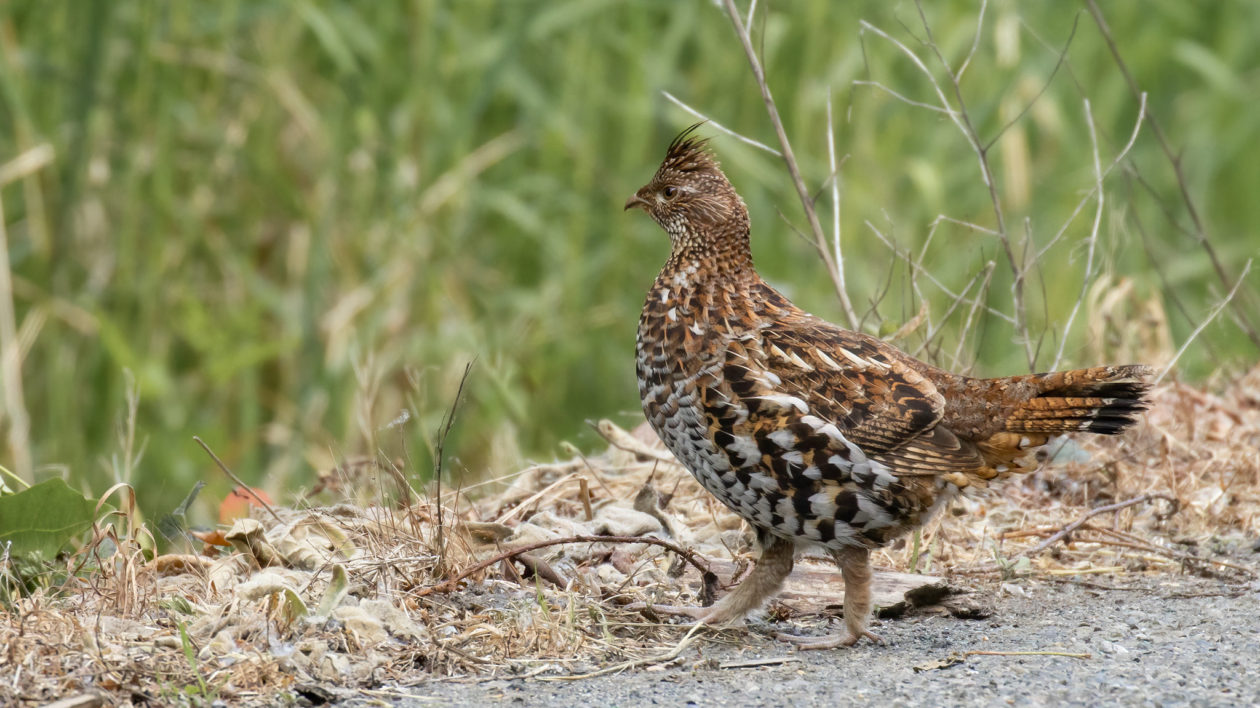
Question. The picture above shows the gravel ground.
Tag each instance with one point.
(1159, 641)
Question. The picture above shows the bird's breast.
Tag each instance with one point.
(677, 361)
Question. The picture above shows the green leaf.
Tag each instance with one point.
(178, 604)
(292, 606)
(42, 519)
(336, 592)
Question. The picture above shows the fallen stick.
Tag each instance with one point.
(1067, 530)
(452, 583)
(755, 663)
(1028, 653)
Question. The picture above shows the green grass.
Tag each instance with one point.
(290, 221)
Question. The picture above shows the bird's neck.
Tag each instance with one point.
(721, 252)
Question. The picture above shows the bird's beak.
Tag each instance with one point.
(635, 201)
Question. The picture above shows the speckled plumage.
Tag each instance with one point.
(810, 432)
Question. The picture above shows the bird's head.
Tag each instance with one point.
(690, 197)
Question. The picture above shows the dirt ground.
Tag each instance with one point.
(1155, 640)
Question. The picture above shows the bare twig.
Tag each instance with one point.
(453, 583)
(1045, 86)
(527, 503)
(1067, 530)
(1200, 230)
(1069, 655)
(239, 482)
(975, 40)
(962, 120)
(936, 281)
(718, 126)
(789, 158)
(755, 663)
(543, 569)
(1137, 126)
(1099, 174)
(1092, 239)
(901, 97)
(1206, 321)
(584, 493)
(837, 253)
(1121, 539)
(438, 457)
(984, 275)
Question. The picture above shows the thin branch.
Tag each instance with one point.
(1092, 239)
(1200, 230)
(1115, 162)
(959, 222)
(935, 281)
(1067, 530)
(239, 482)
(1154, 260)
(900, 97)
(975, 40)
(984, 274)
(718, 126)
(962, 120)
(1069, 655)
(453, 583)
(665, 658)
(1044, 87)
(981, 293)
(820, 239)
(1206, 321)
(837, 254)
(438, 458)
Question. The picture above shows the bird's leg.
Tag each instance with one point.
(766, 578)
(855, 568)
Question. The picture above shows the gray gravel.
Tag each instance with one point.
(1163, 641)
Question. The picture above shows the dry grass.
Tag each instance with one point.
(274, 615)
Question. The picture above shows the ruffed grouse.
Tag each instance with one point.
(812, 433)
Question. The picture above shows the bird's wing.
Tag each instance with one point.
(808, 386)
(831, 426)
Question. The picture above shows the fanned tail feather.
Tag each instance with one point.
(1104, 400)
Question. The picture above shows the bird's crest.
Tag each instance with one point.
(689, 153)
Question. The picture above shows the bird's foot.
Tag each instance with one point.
(847, 639)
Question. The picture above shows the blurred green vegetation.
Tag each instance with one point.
(290, 222)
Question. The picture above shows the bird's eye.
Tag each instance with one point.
(671, 192)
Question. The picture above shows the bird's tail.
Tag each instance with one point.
(1105, 400)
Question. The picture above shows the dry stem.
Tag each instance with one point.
(1067, 530)
(452, 583)
(1206, 321)
(1200, 232)
(789, 158)
(239, 482)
